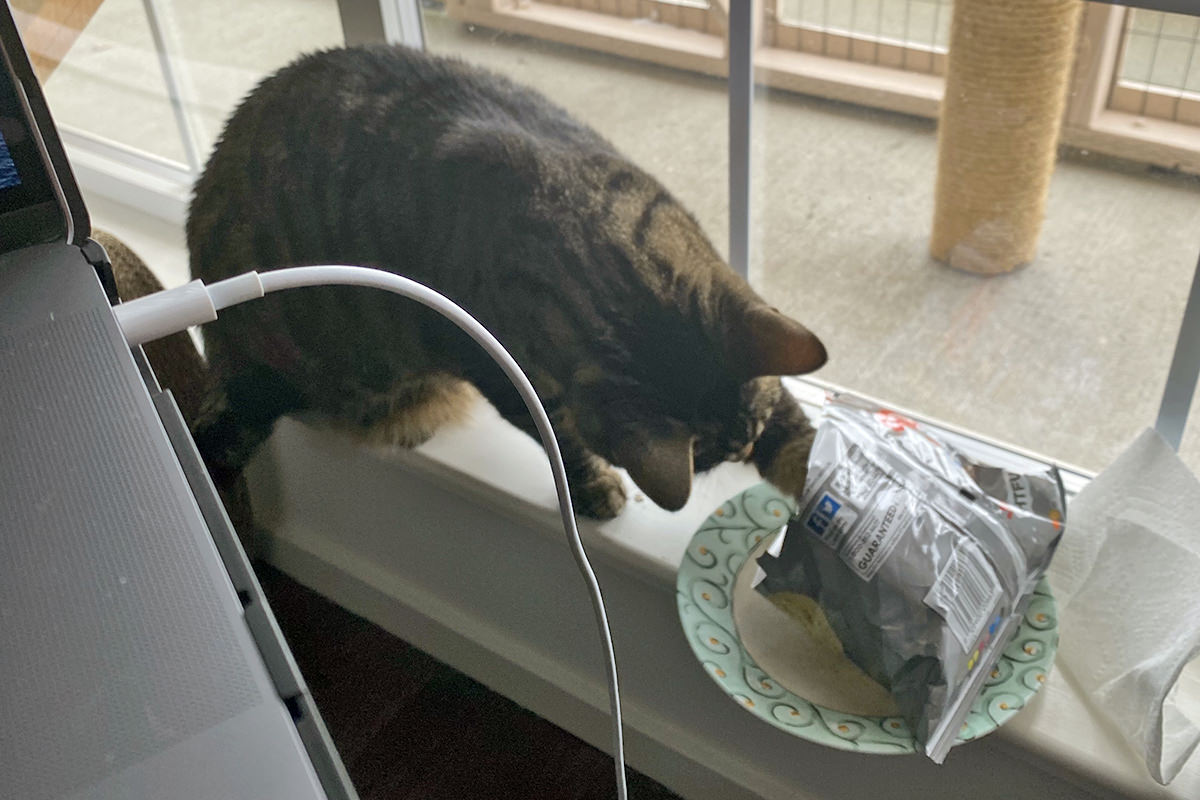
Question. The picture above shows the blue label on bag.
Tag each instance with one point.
(822, 516)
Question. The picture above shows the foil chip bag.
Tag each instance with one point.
(922, 559)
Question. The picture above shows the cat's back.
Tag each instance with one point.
(342, 136)
(360, 87)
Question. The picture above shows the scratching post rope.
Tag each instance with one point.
(1006, 84)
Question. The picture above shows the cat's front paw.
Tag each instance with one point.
(781, 453)
(599, 495)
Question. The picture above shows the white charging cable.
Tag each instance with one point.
(163, 313)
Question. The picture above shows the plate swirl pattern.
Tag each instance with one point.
(704, 592)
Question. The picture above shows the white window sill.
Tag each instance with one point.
(457, 548)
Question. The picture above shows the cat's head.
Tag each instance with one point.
(687, 373)
(681, 410)
(666, 359)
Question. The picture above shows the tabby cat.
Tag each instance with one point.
(649, 352)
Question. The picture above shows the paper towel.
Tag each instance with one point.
(1127, 579)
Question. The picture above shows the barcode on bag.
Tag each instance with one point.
(965, 594)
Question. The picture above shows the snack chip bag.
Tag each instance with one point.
(922, 559)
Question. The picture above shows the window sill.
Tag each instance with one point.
(456, 547)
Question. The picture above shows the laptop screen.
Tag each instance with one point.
(9, 176)
(30, 211)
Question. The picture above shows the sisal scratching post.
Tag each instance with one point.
(1006, 83)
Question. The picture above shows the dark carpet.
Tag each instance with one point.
(408, 727)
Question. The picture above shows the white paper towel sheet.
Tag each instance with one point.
(1127, 579)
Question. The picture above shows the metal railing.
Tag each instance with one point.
(920, 23)
(1159, 71)
(911, 35)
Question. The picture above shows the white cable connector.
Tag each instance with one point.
(163, 313)
(173, 310)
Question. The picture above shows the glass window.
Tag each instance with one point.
(101, 74)
(101, 64)
(1065, 356)
(671, 122)
(224, 55)
(1160, 50)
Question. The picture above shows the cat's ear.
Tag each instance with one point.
(766, 342)
(488, 144)
(659, 463)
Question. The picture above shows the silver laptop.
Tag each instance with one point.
(138, 658)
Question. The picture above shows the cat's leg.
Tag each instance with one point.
(596, 487)
(781, 452)
(237, 415)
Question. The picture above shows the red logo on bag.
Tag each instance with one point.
(894, 422)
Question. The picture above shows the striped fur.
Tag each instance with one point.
(648, 350)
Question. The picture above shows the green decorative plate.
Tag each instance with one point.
(705, 594)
